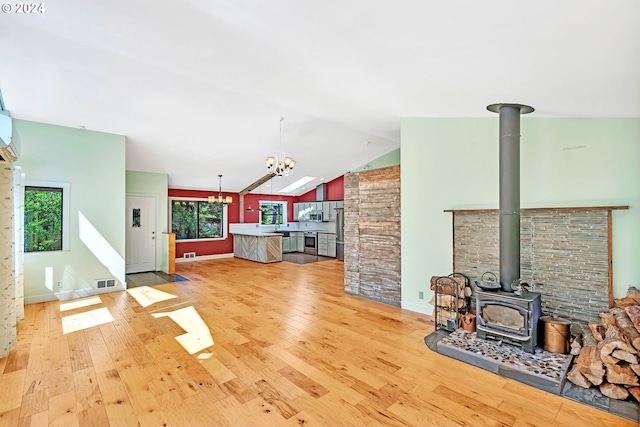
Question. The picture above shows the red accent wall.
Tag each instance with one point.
(253, 201)
(208, 247)
(335, 191)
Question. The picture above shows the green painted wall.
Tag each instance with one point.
(392, 158)
(93, 163)
(157, 184)
(452, 163)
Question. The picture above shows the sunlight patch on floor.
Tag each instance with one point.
(88, 319)
(66, 306)
(147, 296)
(198, 336)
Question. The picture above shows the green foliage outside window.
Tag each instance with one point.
(271, 213)
(191, 219)
(42, 219)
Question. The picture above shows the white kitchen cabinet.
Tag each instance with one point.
(296, 211)
(327, 244)
(326, 211)
(331, 245)
(323, 247)
(285, 245)
(296, 241)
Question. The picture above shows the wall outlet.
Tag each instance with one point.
(59, 283)
(420, 295)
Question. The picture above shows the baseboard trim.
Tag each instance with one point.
(418, 308)
(67, 295)
(204, 257)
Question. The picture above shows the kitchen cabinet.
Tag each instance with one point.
(302, 210)
(261, 247)
(327, 244)
(326, 211)
(329, 211)
(296, 241)
(286, 245)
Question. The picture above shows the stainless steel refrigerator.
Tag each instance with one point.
(340, 234)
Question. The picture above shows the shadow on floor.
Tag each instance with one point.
(302, 258)
(151, 278)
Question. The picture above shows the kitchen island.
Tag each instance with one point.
(260, 247)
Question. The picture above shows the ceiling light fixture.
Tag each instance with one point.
(219, 199)
(280, 164)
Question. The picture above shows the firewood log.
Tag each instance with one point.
(608, 359)
(634, 316)
(598, 331)
(621, 374)
(448, 285)
(607, 319)
(576, 377)
(449, 301)
(590, 364)
(625, 323)
(576, 345)
(614, 391)
(587, 337)
(615, 339)
(625, 355)
(635, 368)
(632, 298)
(635, 392)
(625, 302)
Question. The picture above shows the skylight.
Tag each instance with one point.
(299, 183)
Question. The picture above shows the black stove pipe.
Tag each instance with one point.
(509, 190)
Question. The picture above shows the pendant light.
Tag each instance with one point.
(219, 199)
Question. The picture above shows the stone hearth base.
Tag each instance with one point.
(544, 370)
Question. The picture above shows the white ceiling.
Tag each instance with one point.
(198, 86)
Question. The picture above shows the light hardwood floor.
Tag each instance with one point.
(291, 348)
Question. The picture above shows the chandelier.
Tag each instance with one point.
(280, 164)
(219, 199)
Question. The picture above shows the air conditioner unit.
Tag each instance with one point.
(9, 141)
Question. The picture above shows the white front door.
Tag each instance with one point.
(141, 236)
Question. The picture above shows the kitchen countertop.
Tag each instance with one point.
(256, 234)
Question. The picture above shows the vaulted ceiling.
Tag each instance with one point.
(198, 86)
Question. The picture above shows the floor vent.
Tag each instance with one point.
(106, 283)
(189, 254)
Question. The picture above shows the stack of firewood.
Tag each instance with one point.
(609, 352)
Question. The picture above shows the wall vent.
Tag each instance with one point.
(106, 283)
(189, 254)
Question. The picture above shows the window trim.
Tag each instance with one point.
(65, 186)
(285, 208)
(225, 219)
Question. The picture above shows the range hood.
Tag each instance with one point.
(321, 192)
(9, 141)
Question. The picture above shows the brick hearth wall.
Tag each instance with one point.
(372, 234)
(566, 251)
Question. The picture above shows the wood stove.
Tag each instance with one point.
(509, 318)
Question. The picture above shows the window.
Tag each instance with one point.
(193, 219)
(273, 213)
(46, 219)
